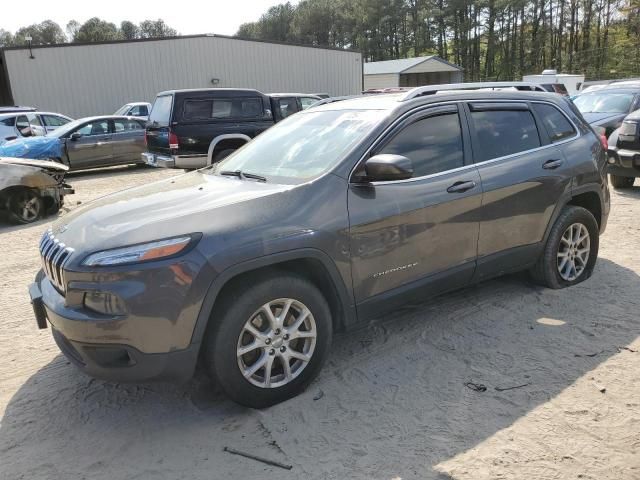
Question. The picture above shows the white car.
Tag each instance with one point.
(135, 109)
(29, 124)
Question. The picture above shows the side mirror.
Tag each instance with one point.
(75, 136)
(388, 167)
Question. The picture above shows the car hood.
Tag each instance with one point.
(189, 203)
(601, 118)
(32, 147)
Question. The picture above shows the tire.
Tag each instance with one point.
(244, 303)
(25, 206)
(622, 182)
(223, 154)
(550, 270)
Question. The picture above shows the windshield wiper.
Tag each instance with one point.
(240, 174)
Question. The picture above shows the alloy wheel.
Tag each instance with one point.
(26, 206)
(573, 252)
(276, 343)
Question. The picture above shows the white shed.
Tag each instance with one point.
(411, 72)
(97, 78)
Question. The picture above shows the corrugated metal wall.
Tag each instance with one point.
(383, 80)
(97, 79)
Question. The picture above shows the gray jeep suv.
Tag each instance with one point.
(328, 219)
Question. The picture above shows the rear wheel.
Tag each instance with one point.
(270, 339)
(25, 206)
(622, 182)
(570, 253)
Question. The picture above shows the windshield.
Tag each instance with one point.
(604, 102)
(122, 110)
(303, 146)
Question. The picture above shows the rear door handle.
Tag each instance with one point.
(551, 164)
(460, 187)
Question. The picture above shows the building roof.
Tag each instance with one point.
(403, 64)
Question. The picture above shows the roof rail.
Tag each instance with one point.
(325, 101)
(433, 89)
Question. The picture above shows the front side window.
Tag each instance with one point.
(287, 106)
(22, 124)
(139, 111)
(433, 144)
(555, 122)
(303, 146)
(98, 127)
(306, 102)
(504, 132)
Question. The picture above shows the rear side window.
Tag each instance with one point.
(555, 122)
(504, 132)
(161, 110)
(434, 144)
(125, 125)
(222, 108)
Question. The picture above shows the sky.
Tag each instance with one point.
(187, 16)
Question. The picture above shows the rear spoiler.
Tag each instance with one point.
(34, 163)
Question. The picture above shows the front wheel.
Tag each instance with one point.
(269, 340)
(570, 254)
(622, 182)
(25, 206)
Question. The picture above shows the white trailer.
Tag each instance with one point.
(97, 78)
(570, 81)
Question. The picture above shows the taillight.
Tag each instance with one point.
(603, 139)
(173, 141)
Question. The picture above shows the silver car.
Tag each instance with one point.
(29, 124)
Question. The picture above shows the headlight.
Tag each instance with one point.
(143, 252)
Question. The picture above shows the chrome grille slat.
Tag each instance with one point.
(54, 255)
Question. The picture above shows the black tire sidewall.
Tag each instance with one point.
(221, 341)
(569, 216)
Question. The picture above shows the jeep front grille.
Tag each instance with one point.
(54, 256)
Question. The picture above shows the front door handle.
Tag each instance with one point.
(551, 164)
(460, 187)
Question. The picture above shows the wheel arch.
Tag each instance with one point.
(310, 263)
(587, 197)
(234, 140)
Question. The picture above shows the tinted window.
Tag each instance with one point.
(555, 122)
(54, 121)
(99, 127)
(287, 106)
(8, 122)
(433, 144)
(504, 132)
(222, 108)
(161, 110)
(121, 126)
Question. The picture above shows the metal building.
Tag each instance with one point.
(97, 78)
(411, 72)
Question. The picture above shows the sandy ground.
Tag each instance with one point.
(391, 402)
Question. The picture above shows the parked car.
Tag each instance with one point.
(134, 109)
(85, 143)
(334, 216)
(31, 189)
(605, 108)
(29, 124)
(624, 152)
(194, 128)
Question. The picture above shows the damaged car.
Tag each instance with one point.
(31, 189)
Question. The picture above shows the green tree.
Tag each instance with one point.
(97, 30)
(155, 29)
(72, 29)
(129, 30)
(45, 33)
(6, 38)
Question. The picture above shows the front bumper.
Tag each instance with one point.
(625, 163)
(102, 346)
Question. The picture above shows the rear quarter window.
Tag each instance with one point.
(556, 123)
(161, 110)
(504, 132)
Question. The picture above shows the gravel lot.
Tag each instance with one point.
(391, 402)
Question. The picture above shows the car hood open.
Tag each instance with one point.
(189, 203)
